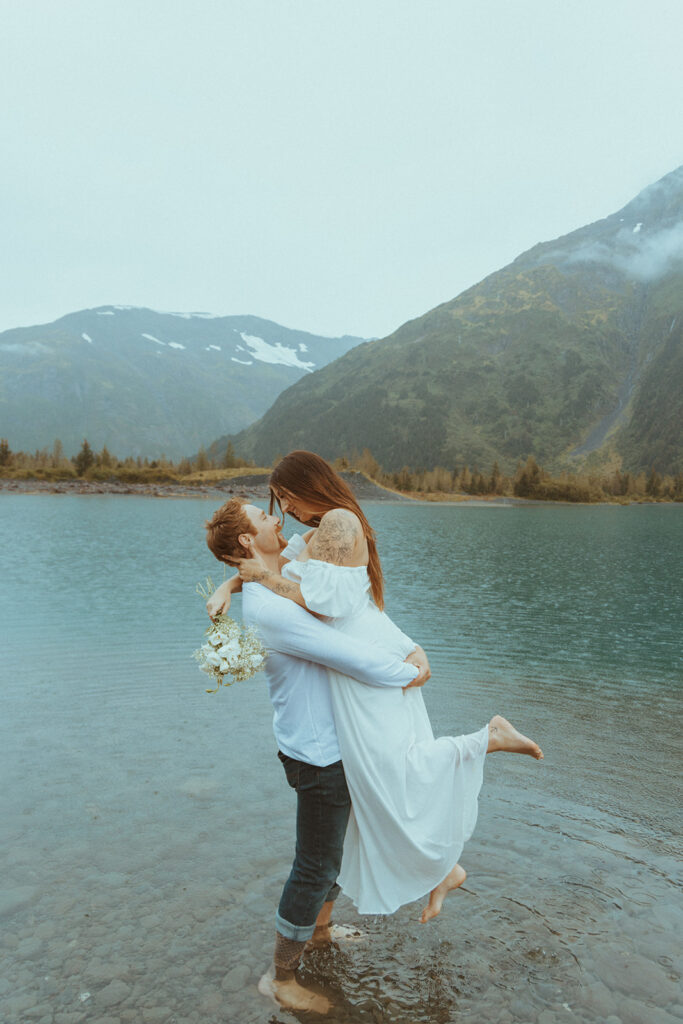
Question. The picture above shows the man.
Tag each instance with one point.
(300, 649)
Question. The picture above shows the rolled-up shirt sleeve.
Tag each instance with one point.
(290, 629)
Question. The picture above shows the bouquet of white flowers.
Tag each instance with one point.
(227, 651)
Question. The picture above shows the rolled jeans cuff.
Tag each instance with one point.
(297, 932)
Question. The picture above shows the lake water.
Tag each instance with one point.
(148, 828)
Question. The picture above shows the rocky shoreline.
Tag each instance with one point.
(253, 485)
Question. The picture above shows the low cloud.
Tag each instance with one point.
(27, 348)
(637, 254)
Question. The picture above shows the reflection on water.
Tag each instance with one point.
(148, 830)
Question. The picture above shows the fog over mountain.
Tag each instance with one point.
(145, 382)
(572, 353)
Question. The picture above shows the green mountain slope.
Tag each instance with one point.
(147, 383)
(571, 353)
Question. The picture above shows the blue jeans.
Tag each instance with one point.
(322, 813)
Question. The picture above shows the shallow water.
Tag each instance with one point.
(148, 827)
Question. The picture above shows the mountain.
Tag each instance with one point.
(148, 383)
(573, 353)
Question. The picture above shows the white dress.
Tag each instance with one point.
(414, 798)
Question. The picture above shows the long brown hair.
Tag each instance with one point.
(307, 476)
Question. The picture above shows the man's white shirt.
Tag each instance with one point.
(300, 649)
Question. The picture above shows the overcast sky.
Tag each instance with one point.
(339, 166)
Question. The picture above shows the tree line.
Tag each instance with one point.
(88, 464)
(528, 481)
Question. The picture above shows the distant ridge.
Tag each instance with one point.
(145, 382)
(572, 353)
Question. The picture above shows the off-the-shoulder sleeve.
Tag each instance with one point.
(295, 545)
(333, 590)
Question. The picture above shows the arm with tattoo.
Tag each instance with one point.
(252, 572)
(338, 539)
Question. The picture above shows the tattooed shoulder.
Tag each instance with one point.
(336, 537)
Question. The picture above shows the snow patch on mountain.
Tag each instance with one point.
(150, 337)
(175, 344)
(86, 337)
(244, 362)
(266, 353)
(106, 312)
(191, 316)
(216, 348)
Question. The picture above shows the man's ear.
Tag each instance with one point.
(246, 540)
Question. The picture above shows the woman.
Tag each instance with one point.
(414, 798)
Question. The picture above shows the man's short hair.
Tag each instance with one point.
(224, 529)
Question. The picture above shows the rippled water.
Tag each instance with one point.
(148, 828)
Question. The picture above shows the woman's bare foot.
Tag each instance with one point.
(453, 880)
(503, 736)
(292, 995)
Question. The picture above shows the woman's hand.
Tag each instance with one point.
(251, 570)
(420, 660)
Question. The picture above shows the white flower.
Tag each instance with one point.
(229, 649)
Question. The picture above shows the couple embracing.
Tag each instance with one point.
(383, 808)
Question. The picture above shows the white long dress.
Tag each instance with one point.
(414, 798)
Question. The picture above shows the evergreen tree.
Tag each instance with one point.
(5, 453)
(84, 459)
(495, 480)
(403, 481)
(201, 462)
(528, 480)
(229, 459)
(104, 458)
(57, 454)
(654, 484)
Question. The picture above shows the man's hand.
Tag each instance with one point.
(420, 660)
(219, 602)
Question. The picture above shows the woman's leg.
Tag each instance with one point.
(453, 880)
(504, 736)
